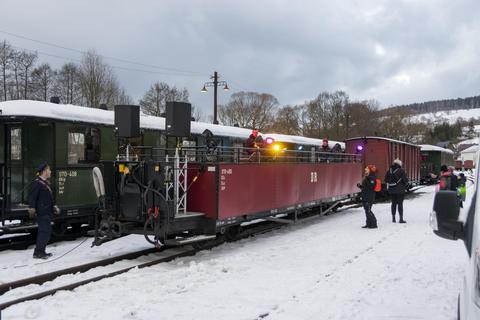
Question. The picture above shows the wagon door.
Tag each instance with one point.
(11, 167)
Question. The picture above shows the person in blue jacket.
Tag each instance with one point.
(41, 205)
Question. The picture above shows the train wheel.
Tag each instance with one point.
(232, 233)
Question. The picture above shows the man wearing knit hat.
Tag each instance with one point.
(40, 202)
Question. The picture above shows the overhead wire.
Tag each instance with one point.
(103, 56)
(167, 71)
(113, 66)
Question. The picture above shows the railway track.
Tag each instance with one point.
(160, 257)
(157, 257)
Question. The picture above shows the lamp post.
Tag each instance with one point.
(215, 83)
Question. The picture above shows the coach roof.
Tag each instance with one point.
(68, 112)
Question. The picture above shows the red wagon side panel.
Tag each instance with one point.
(262, 187)
(245, 189)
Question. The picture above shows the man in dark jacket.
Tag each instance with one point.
(397, 182)
(368, 196)
(250, 143)
(40, 201)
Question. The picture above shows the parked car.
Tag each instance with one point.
(445, 223)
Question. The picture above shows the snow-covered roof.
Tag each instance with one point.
(381, 138)
(469, 141)
(300, 140)
(472, 149)
(40, 109)
(429, 147)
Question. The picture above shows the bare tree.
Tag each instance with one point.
(323, 116)
(67, 84)
(122, 98)
(97, 81)
(197, 113)
(154, 100)
(27, 60)
(287, 121)
(249, 110)
(361, 119)
(43, 78)
(6, 56)
(16, 66)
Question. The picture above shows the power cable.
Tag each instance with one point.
(103, 56)
(113, 66)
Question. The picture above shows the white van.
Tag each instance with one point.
(445, 223)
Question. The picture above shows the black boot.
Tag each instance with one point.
(393, 219)
(401, 219)
(41, 255)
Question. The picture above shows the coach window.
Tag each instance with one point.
(84, 146)
(16, 144)
(76, 147)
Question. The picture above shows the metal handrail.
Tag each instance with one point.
(227, 154)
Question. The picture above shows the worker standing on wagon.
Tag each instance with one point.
(40, 201)
(397, 182)
(250, 144)
(368, 195)
(325, 147)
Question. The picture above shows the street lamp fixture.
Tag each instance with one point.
(215, 83)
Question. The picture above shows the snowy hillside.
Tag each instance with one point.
(447, 116)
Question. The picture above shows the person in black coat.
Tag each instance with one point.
(40, 202)
(397, 182)
(368, 196)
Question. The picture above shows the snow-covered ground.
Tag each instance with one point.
(328, 268)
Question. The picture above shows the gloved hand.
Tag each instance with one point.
(32, 212)
(56, 210)
(359, 185)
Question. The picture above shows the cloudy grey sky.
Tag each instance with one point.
(398, 51)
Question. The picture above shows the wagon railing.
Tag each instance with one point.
(224, 154)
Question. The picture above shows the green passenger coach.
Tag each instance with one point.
(73, 140)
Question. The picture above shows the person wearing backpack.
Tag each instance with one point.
(367, 186)
(397, 182)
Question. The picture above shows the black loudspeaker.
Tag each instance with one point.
(127, 121)
(55, 100)
(178, 119)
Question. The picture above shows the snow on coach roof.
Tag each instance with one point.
(382, 138)
(40, 109)
(301, 140)
(429, 147)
